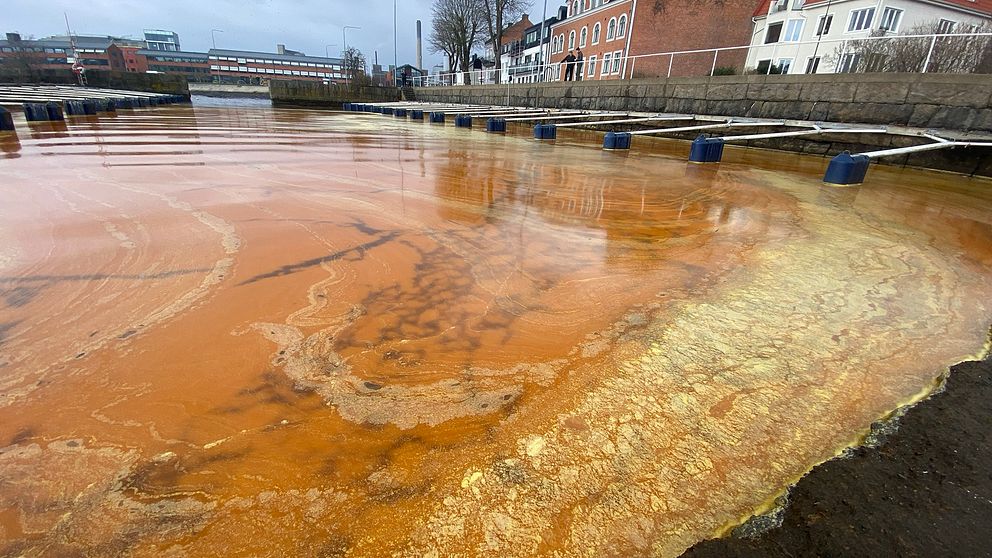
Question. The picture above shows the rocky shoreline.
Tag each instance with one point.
(925, 490)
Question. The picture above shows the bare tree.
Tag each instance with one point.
(960, 55)
(354, 67)
(494, 13)
(455, 29)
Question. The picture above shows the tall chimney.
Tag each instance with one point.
(420, 55)
(281, 49)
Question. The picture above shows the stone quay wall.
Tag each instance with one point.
(961, 103)
(309, 93)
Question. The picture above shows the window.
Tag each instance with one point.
(575, 7)
(774, 33)
(793, 30)
(860, 19)
(945, 26)
(812, 64)
(621, 26)
(561, 42)
(617, 57)
(606, 64)
(784, 64)
(823, 24)
(583, 35)
(611, 31)
(848, 63)
(890, 19)
(571, 40)
(595, 33)
(592, 65)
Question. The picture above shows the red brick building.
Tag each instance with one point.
(600, 30)
(679, 25)
(616, 36)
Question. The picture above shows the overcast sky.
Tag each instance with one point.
(304, 25)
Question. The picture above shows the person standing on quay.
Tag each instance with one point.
(578, 65)
(569, 62)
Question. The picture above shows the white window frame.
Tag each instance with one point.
(622, 26)
(791, 29)
(809, 59)
(571, 40)
(617, 59)
(855, 16)
(611, 27)
(895, 19)
(781, 63)
(768, 30)
(597, 31)
(605, 66)
(822, 29)
(591, 62)
(583, 36)
(950, 24)
(853, 59)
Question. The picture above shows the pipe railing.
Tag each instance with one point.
(624, 67)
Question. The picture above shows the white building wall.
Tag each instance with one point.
(831, 45)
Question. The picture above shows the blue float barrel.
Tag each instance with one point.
(545, 131)
(437, 117)
(496, 125)
(616, 140)
(347, 106)
(847, 169)
(54, 111)
(416, 115)
(697, 151)
(714, 150)
(463, 121)
(35, 112)
(399, 113)
(6, 120)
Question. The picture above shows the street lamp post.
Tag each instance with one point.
(344, 35)
(213, 36)
(344, 39)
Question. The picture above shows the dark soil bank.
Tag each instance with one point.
(926, 491)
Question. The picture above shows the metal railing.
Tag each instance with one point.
(940, 53)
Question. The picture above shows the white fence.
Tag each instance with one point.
(942, 53)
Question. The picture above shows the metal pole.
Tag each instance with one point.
(671, 60)
(713, 69)
(213, 36)
(540, 62)
(395, 60)
(926, 63)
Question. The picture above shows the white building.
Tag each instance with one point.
(794, 37)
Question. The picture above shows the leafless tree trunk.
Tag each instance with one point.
(958, 55)
(455, 29)
(495, 12)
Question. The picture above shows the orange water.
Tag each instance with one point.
(259, 332)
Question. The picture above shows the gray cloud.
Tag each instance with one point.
(306, 25)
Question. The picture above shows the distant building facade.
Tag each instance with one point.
(157, 39)
(130, 55)
(242, 66)
(782, 26)
(512, 45)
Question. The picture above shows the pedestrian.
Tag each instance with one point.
(569, 62)
(578, 65)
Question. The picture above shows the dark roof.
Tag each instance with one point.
(272, 56)
(174, 54)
